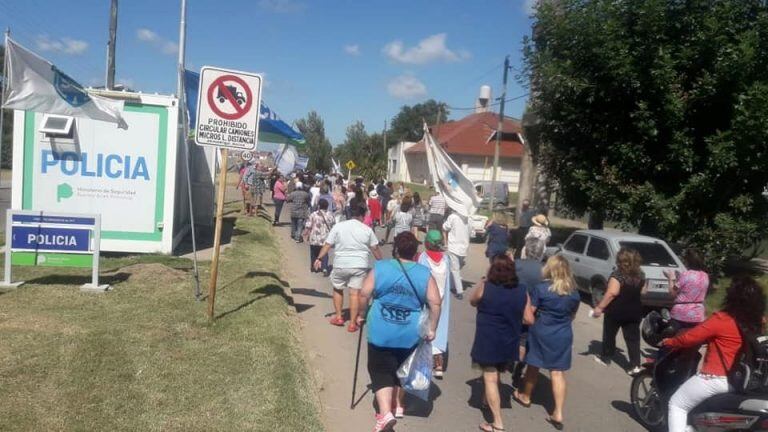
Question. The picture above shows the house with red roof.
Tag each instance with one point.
(470, 142)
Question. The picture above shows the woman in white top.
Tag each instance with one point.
(403, 217)
(539, 231)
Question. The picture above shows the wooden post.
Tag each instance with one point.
(217, 233)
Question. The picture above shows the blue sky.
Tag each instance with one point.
(348, 60)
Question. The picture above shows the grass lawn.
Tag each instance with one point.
(144, 357)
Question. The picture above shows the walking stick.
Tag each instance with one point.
(357, 365)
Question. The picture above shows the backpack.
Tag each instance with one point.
(748, 373)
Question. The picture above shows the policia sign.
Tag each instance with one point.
(228, 109)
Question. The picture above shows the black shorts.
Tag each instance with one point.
(383, 364)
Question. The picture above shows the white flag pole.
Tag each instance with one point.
(183, 132)
(2, 95)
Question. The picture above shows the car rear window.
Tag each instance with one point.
(653, 254)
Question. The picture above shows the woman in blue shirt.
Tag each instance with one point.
(400, 289)
(550, 312)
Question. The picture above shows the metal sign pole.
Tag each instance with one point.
(217, 233)
(94, 285)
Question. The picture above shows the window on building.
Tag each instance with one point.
(394, 166)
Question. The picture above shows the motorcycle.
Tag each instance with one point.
(653, 387)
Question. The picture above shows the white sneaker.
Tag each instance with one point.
(636, 370)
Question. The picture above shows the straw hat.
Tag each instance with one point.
(540, 220)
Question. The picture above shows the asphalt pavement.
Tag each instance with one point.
(598, 396)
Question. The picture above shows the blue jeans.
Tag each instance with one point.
(278, 209)
(297, 226)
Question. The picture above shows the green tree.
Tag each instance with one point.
(319, 148)
(408, 124)
(7, 133)
(367, 151)
(654, 113)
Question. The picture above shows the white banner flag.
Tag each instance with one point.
(287, 159)
(35, 84)
(448, 179)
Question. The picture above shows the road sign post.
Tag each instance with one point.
(227, 118)
(350, 166)
(228, 109)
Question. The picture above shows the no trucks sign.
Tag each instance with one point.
(228, 109)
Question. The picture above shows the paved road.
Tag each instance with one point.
(597, 396)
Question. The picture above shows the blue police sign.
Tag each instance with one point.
(38, 238)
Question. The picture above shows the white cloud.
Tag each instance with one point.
(165, 46)
(529, 6)
(282, 6)
(428, 50)
(146, 35)
(353, 49)
(64, 45)
(406, 87)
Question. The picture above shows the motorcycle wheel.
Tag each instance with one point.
(646, 401)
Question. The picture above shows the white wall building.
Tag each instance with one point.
(470, 142)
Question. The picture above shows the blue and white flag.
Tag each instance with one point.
(35, 84)
(448, 179)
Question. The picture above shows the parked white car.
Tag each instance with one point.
(592, 256)
(477, 227)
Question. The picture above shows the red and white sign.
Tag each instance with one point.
(228, 109)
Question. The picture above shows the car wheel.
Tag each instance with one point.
(597, 290)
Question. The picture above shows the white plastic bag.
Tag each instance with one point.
(415, 373)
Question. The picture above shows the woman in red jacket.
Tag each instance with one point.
(744, 306)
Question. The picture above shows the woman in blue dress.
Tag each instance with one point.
(550, 312)
(498, 235)
(500, 302)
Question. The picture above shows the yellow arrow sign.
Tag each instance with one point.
(351, 165)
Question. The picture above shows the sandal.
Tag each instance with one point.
(516, 397)
(556, 424)
(338, 321)
(353, 327)
(485, 425)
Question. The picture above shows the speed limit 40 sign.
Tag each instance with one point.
(228, 109)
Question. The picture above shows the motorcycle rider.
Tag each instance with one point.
(744, 305)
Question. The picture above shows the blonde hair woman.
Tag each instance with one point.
(623, 308)
(498, 235)
(550, 312)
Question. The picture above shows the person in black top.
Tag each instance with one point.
(524, 224)
(623, 308)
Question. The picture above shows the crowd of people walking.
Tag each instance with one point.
(525, 305)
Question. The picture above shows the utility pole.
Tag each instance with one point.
(386, 153)
(499, 132)
(110, 84)
(183, 136)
